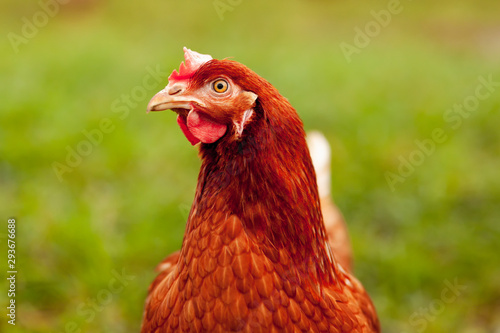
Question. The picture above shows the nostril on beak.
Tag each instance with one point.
(175, 89)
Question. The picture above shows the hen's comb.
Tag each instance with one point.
(193, 61)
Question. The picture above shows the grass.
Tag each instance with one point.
(123, 207)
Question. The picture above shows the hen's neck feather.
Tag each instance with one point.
(267, 180)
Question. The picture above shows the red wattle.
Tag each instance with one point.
(204, 128)
(182, 124)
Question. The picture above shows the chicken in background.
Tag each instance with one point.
(336, 228)
(256, 256)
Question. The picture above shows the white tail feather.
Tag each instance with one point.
(319, 149)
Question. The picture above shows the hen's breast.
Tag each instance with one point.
(224, 282)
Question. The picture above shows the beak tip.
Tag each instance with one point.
(164, 101)
(153, 103)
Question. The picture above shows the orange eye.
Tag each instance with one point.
(220, 85)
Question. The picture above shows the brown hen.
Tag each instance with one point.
(255, 256)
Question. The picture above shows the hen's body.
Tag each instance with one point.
(255, 256)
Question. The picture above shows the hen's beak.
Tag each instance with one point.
(169, 98)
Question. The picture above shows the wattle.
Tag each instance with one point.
(199, 127)
(182, 124)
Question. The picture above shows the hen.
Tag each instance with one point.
(255, 255)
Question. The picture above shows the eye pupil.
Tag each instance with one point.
(220, 86)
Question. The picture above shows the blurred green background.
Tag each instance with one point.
(79, 79)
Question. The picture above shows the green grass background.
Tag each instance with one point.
(123, 208)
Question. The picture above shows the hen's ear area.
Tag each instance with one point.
(248, 100)
(193, 61)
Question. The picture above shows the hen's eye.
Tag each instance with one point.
(220, 86)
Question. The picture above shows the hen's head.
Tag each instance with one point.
(213, 98)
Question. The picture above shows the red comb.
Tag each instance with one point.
(193, 60)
